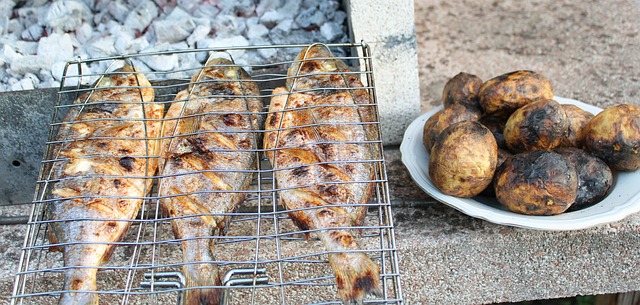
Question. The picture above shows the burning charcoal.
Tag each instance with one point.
(66, 16)
(238, 7)
(27, 83)
(71, 76)
(84, 33)
(331, 31)
(205, 11)
(161, 62)
(5, 9)
(124, 41)
(257, 31)
(310, 18)
(339, 17)
(56, 47)
(271, 19)
(199, 33)
(141, 16)
(21, 64)
(228, 25)
(66, 29)
(290, 9)
(14, 26)
(329, 8)
(310, 3)
(32, 33)
(230, 41)
(176, 27)
(100, 47)
(118, 10)
(266, 5)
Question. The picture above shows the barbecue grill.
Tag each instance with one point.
(264, 257)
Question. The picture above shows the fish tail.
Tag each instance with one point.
(201, 275)
(76, 284)
(356, 276)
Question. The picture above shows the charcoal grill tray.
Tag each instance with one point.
(272, 261)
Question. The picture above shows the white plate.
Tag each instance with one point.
(623, 199)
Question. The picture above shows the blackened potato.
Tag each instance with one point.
(502, 95)
(496, 125)
(463, 159)
(536, 183)
(594, 176)
(503, 155)
(613, 135)
(444, 118)
(540, 125)
(578, 119)
(461, 89)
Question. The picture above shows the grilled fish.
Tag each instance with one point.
(210, 154)
(316, 133)
(103, 167)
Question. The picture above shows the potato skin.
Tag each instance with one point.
(578, 120)
(463, 159)
(613, 135)
(462, 89)
(540, 125)
(594, 176)
(536, 183)
(443, 119)
(502, 95)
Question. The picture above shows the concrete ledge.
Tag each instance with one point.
(447, 257)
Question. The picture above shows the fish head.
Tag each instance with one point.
(128, 78)
(316, 60)
(127, 75)
(221, 69)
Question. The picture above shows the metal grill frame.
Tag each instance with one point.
(259, 208)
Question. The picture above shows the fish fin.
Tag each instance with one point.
(78, 298)
(199, 276)
(356, 276)
(77, 283)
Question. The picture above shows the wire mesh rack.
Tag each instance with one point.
(257, 253)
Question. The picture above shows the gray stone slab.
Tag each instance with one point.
(23, 132)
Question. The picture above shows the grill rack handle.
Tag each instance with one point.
(228, 281)
(167, 280)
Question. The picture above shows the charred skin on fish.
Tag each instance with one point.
(318, 140)
(210, 153)
(106, 157)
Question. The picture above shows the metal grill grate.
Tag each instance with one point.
(264, 258)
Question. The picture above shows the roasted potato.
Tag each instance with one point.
(461, 89)
(503, 155)
(444, 118)
(578, 119)
(463, 159)
(536, 183)
(613, 135)
(496, 125)
(538, 125)
(502, 95)
(594, 176)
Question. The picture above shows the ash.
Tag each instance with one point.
(38, 37)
